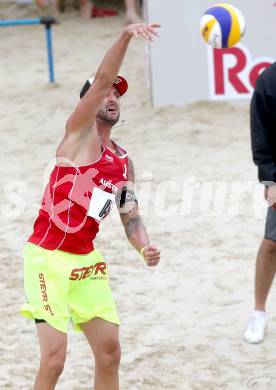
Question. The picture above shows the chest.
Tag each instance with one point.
(92, 187)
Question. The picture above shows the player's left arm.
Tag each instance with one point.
(132, 222)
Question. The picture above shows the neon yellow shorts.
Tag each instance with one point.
(60, 286)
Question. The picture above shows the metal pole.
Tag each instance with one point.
(48, 31)
(19, 22)
(48, 21)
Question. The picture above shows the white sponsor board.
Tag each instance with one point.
(183, 68)
(233, 72)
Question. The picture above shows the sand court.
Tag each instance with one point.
(183, 322)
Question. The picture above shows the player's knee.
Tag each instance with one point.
(109, 358)
(52, 365)
(270, 246)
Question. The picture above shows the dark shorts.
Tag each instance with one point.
(270, 225)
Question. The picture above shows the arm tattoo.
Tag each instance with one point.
(132, 225)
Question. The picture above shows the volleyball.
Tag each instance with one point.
(222, 26)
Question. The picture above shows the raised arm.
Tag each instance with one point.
(84, 114)
(132, 222)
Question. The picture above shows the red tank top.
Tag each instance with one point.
(75, 201)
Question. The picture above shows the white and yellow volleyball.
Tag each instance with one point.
(222, 26)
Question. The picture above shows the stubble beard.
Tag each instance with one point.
(105, 117)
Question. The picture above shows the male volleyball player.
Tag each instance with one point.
(263, 137)
(65, 276)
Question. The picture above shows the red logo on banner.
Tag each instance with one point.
(233, 72)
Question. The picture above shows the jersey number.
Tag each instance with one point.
(125, 172)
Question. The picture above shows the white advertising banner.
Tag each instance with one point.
(183, 68)
(233, 72)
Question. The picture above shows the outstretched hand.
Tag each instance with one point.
(148, 31)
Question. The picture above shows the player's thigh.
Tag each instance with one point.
(53, 343)
(103, 337)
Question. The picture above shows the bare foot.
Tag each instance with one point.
(133, 17)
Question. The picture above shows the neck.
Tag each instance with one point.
(104, 131)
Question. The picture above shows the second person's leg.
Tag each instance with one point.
(265, 272)
(132, 14)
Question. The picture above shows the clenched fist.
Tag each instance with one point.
(151, 255)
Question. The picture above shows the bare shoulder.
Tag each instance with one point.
(131, 171)
(79, 148)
